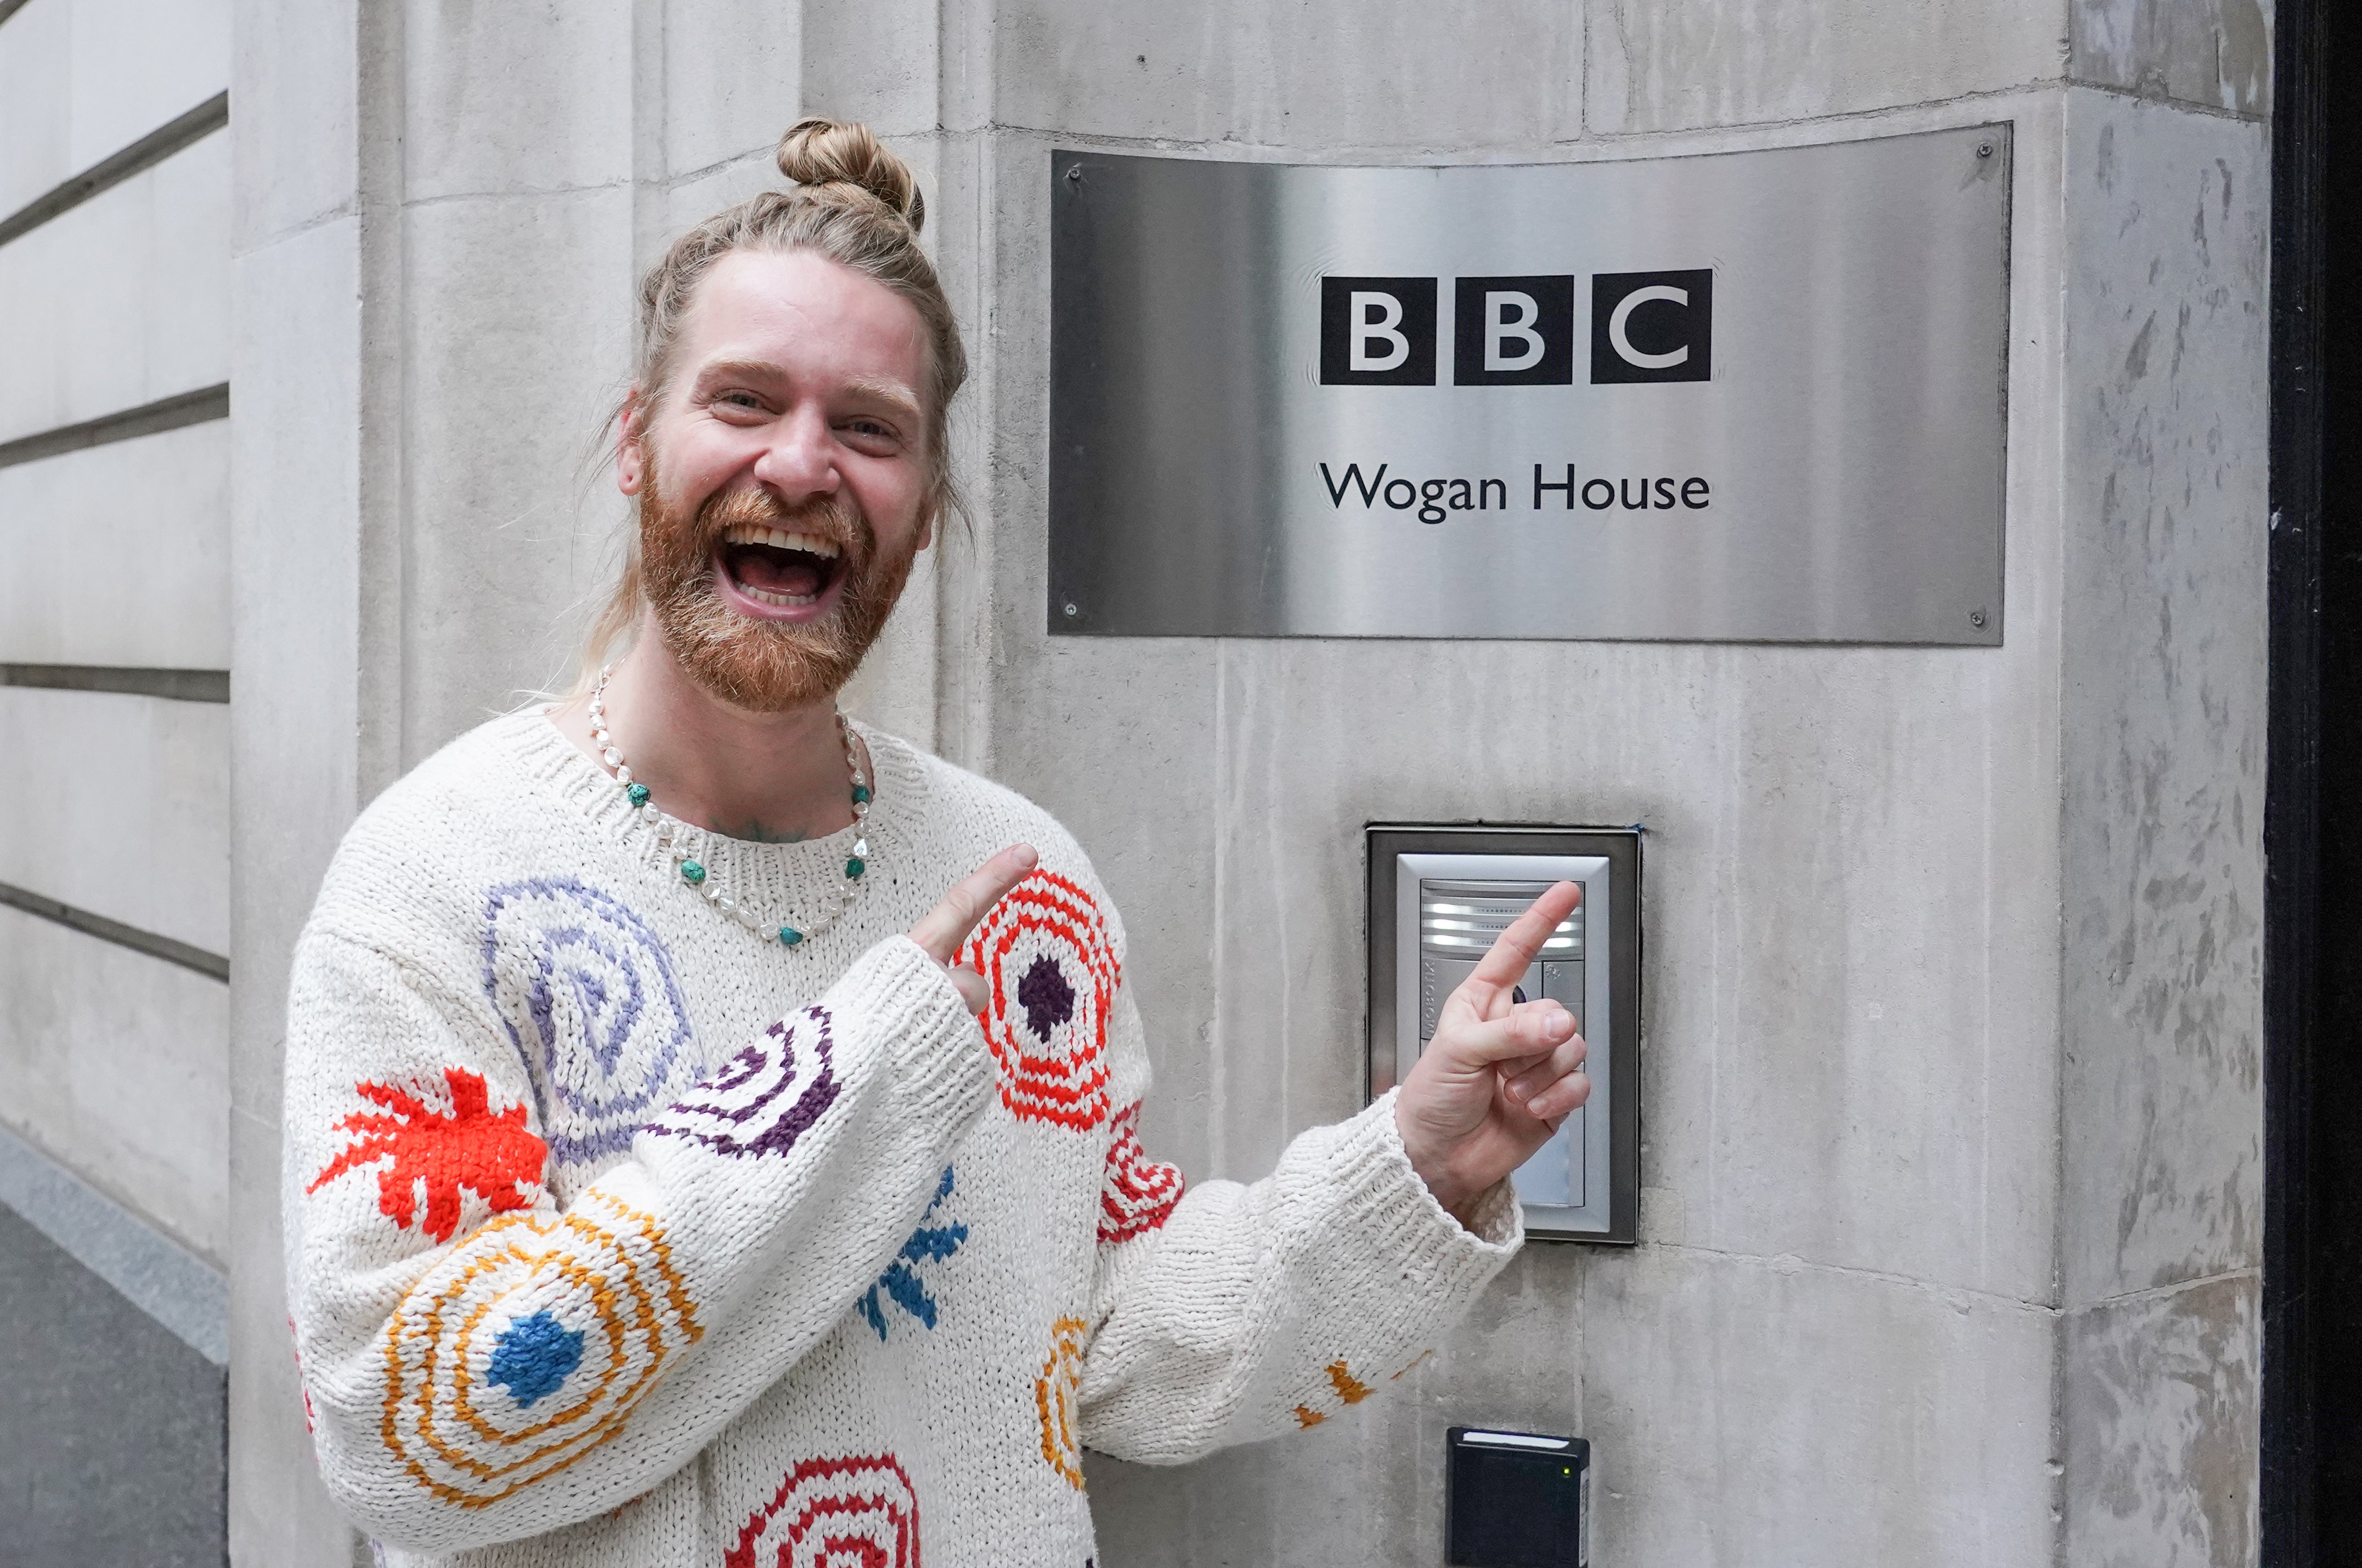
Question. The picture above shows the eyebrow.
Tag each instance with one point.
(893, 394)
(897, 397)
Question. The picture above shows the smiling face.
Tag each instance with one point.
(782, 475)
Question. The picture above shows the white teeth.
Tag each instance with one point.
(782, 600)
(780, 539)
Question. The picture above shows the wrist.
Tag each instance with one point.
(1452, 1188)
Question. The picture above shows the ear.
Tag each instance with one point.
(631, 453)
(931, 512)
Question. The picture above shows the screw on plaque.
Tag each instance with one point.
(1984, 149)
(1976, 618)
(1072, 611)
(1074, 174)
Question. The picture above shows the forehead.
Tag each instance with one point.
(813, 317)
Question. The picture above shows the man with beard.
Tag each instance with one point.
(686, 1163)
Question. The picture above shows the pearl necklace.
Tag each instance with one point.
(694, 874)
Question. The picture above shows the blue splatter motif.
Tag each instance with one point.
(533, 1356)
(899, 1283)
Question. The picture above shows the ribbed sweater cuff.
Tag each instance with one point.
(941, 1067)
(1408, 1232)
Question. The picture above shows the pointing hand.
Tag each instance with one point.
(946, 926)
(1499, 1075)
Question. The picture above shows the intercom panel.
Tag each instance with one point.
(1439, 898)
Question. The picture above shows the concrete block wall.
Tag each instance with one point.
(1949, 1227)
(114, 736)
(114, 1060)
(87, 78)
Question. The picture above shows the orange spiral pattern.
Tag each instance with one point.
(1057, 1395)
(604, 1267)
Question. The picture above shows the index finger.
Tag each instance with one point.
(944, 928)
(1514, 951)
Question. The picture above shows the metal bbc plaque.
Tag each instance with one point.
(1745, 396)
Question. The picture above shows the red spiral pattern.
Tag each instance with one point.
(856, 1512)
(1062, 1080)
(1138, 1194)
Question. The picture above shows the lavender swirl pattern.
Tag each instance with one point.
(586, 990)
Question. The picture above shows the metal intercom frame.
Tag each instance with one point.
(1618, 1051)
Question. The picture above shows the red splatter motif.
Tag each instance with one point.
(1138, 1194)
(468, 1146)
(1047, 953)
(856, 1512)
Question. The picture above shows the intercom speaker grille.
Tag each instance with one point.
(1460, 919)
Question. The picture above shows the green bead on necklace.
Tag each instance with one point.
(671, 832)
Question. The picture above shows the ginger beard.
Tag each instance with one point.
(766, 666)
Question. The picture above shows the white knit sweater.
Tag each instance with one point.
(618, 1235)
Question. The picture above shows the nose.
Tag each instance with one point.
(798, 461)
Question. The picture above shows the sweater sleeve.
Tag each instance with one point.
(1230, 1313)
(482, 1363)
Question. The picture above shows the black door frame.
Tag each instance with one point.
(2310, 1496)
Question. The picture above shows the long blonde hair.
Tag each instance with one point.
(857, 203)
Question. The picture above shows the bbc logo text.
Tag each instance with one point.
(1517, 331)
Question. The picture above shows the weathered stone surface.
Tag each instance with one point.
(64, 520)
(511, 527)
(132, 794)
(2162, 726)
(2162, 1428)
(80, 80)
(117, 1064)
(2215, 52)
(316, 702)
(2163, 708)
(1929, 1447)
(131, 293)
(882, 64)
(518, 98)
(1659, 65)
(299, 83)
(1290, 78)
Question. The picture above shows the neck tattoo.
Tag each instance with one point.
(695, 875)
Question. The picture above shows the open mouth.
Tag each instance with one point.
(772, 566)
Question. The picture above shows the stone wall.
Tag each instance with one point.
(115, 743)
(115, 598)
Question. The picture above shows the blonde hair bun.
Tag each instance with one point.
(820, 153)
